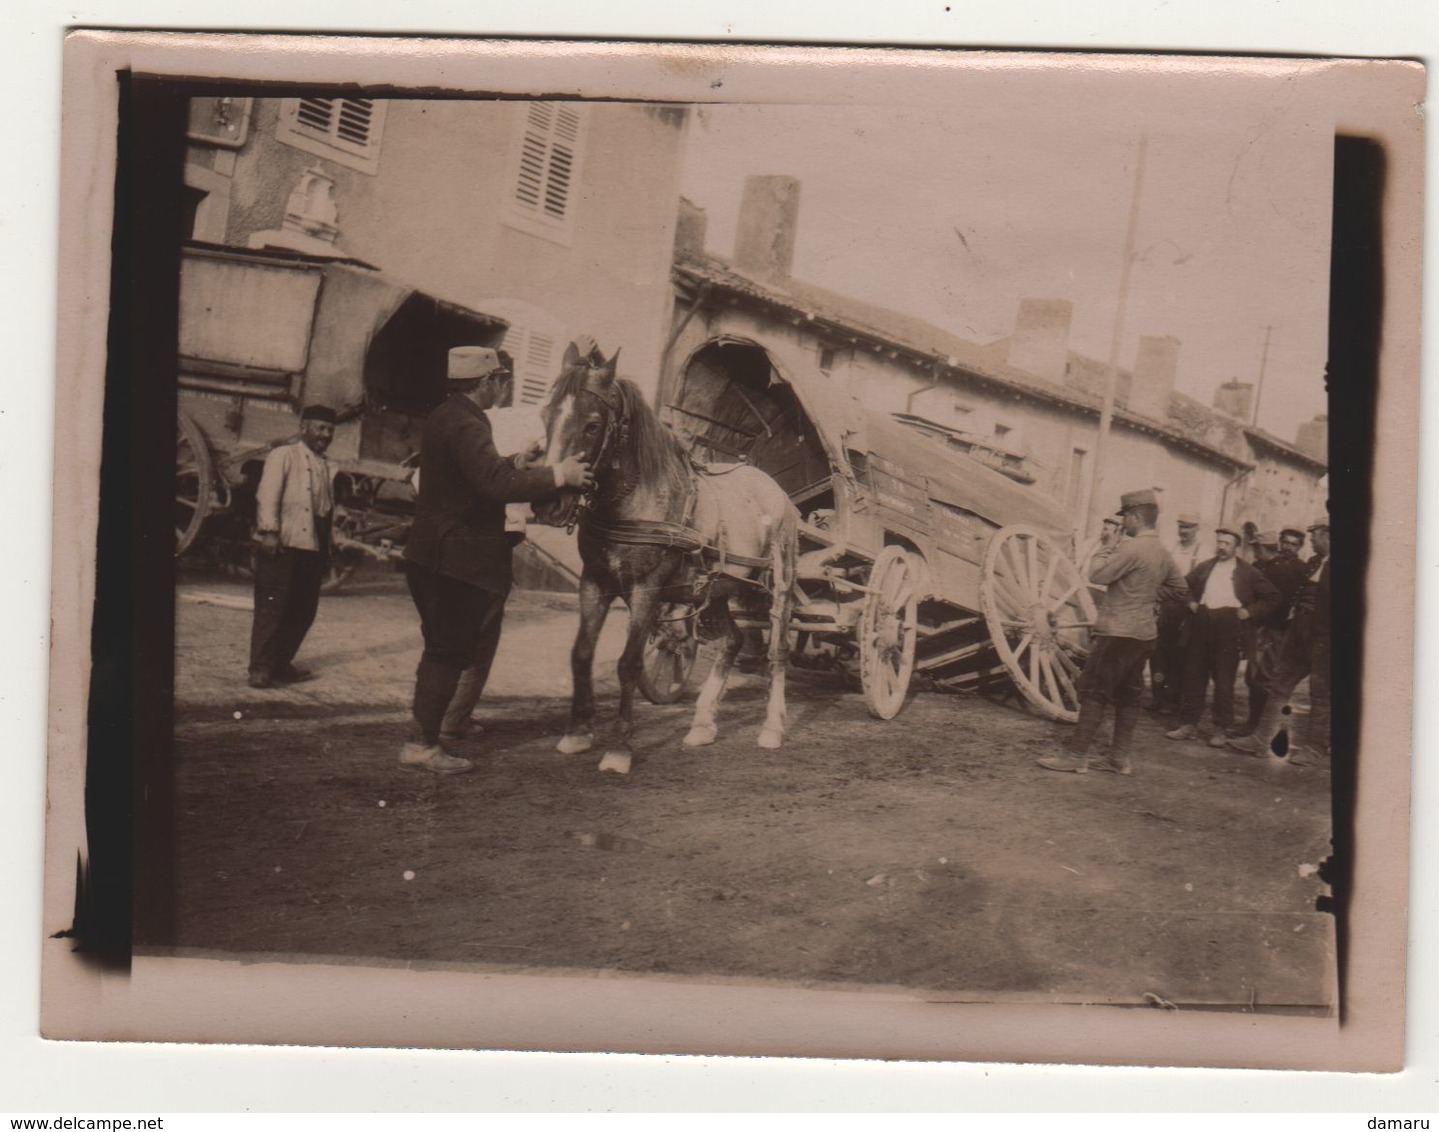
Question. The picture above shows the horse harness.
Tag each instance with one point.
(682, 536)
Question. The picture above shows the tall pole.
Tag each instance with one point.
(1259, 382)
(1111, 376)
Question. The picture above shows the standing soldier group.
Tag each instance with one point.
(1191, 617)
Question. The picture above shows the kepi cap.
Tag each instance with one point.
(319, 413)
(1132, 499)
(470, 362)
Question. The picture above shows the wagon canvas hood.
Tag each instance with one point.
(958, 480)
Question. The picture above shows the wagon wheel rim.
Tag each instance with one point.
(1039, 611)
(889, 630)
(194, 479)
(669, 655)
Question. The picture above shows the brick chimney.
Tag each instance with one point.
(1313, 438)
(1040, 342)
(768, 219)
(691, 228)
(1235, 399)
(1156, 363)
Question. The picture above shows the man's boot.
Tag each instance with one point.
(1076, 759)
(1271, 722)
(1126, 719)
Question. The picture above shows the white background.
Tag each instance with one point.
(47, 1078)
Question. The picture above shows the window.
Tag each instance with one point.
(547, 168)
(345, 130)
(1002, 430)
(534, 355)
(826, 358)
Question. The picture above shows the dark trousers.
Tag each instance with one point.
(1260, 659)
(1114, 671)
(472, 681)
(1215, 644)
(1305, 652)
(1167, 665)
(460, 632)
(287, 594)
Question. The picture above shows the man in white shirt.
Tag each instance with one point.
(294, 506)
(1227, 595)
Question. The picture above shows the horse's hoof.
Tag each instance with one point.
(575, 744)
(771, 740)
(701, 736)
(615, 762)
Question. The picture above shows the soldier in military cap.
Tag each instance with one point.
(1304, 652)
(1136, 571)
(457, 558)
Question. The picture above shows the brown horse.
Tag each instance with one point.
(655, 532)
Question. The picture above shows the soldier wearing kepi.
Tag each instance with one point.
(457, 558)
(1137, 572)
(294, 505)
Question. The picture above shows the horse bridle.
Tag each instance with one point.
(612, 440)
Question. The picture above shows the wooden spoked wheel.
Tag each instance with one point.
(669, 655)
(1039, 611)
(888, 630)
(194, 481)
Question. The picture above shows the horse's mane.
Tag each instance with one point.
(659, 457)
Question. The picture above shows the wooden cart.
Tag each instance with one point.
(916, 558)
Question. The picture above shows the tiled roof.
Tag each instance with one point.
(1189, 424)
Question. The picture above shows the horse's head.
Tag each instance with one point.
(583, 419)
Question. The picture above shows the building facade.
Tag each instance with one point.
(547, 219)
(1026, 405)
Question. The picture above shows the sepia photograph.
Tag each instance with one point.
(682, 523)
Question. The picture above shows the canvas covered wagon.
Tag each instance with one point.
(263, 333)
(917, 559)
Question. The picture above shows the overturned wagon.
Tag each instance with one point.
(916, 559)
(263, 332)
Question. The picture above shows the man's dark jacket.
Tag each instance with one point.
(459, 528)
(1286, 571)
(1254, 591)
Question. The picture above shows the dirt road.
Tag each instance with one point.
(927, 852)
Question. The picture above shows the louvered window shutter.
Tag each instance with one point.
(534, 363)
(547, 159)
(346, 123)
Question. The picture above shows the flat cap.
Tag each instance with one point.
(1292, 532)
(1321, 523)
(1137, 499)
(1231, 532)
(470, 362)
(1267, 538)
(319, 413)
(1188, 519)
